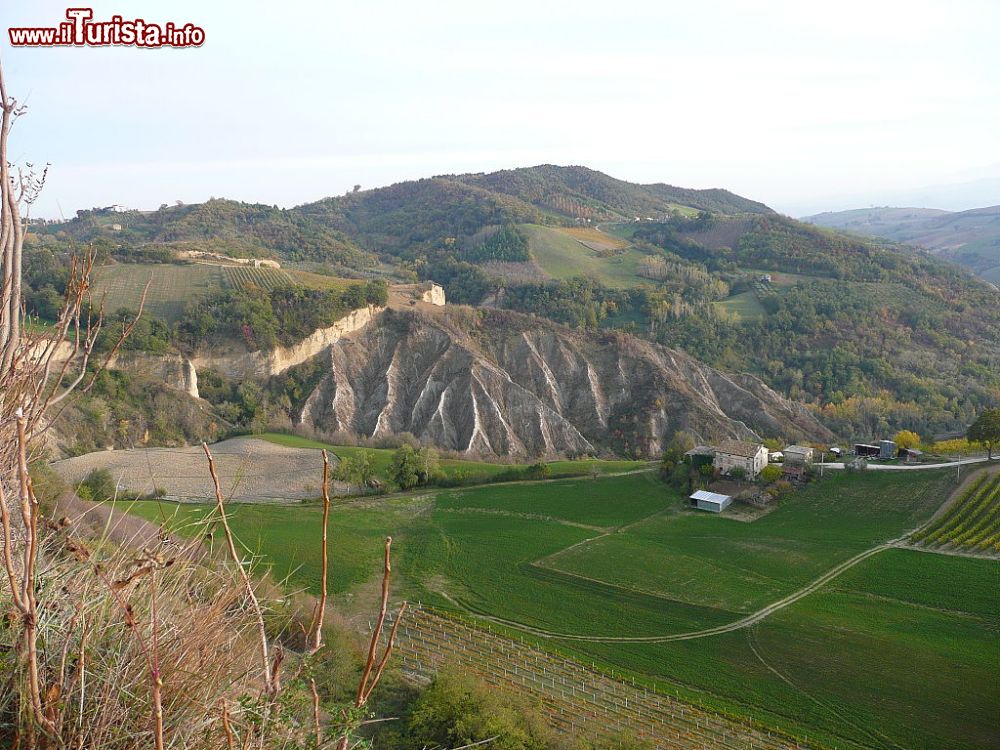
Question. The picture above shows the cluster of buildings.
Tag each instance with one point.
(887, 449)
(731, 457)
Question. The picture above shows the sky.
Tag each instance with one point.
(806, 106)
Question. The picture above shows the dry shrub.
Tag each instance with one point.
(96, 665)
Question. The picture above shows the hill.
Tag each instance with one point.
(503, 384)
(218, 225)
(420, 214)
(581, 193)
(872, 336)
(971, 238)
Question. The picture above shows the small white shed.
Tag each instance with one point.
(710, 501)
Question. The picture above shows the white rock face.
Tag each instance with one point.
(513, 385)
(265, 364)
(175, 370)
(434, 295)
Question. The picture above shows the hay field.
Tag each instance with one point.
(250, 470)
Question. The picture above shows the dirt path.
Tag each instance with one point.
(743, 622)
(901, 542)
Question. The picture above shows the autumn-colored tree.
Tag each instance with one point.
(986, 430)
(907, 439)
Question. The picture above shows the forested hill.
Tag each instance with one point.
(420, 214)
(871, 335)
(223, 226)
(579, 192)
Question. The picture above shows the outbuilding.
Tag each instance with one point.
(710, 501)
(887, 449)
(798, 454)
(700, 455)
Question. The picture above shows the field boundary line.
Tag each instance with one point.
(751, 619)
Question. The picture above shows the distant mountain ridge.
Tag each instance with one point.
(971, 238)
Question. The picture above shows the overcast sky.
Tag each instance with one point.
(807, 106)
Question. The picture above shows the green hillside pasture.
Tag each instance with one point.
(715, 561)
(287, 539)
(744, 306)
(171, 286)
(458, 470)
(901, 651)
(602, 503)
(562, 256)
(479, 561)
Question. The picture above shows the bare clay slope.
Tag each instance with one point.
(501, 383)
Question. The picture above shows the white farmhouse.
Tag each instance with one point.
(737, 454)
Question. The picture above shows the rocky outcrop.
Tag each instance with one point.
(265, 364)
(506, 384)
(174, 370)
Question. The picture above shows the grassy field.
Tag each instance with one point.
(745, 306)
(899, 651)
(458, 469)
(739, 567)
(595, 237)
(171, 286)
(562, 256)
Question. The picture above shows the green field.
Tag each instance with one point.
(457, 469)
(171, 286)
(899, 651)
(744, 306)
(562, 256)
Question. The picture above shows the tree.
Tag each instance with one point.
(986, 430)
(405, 467)
(907, 439)
(458, 710)
(348, 471)
(770, 473)
(673, 454)
(99, 486)
(428, 466)
(366, 468)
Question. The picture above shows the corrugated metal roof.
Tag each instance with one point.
(712, 497)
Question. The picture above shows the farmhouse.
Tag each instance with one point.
(710, 501)
(798, 454)
(737, 454)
